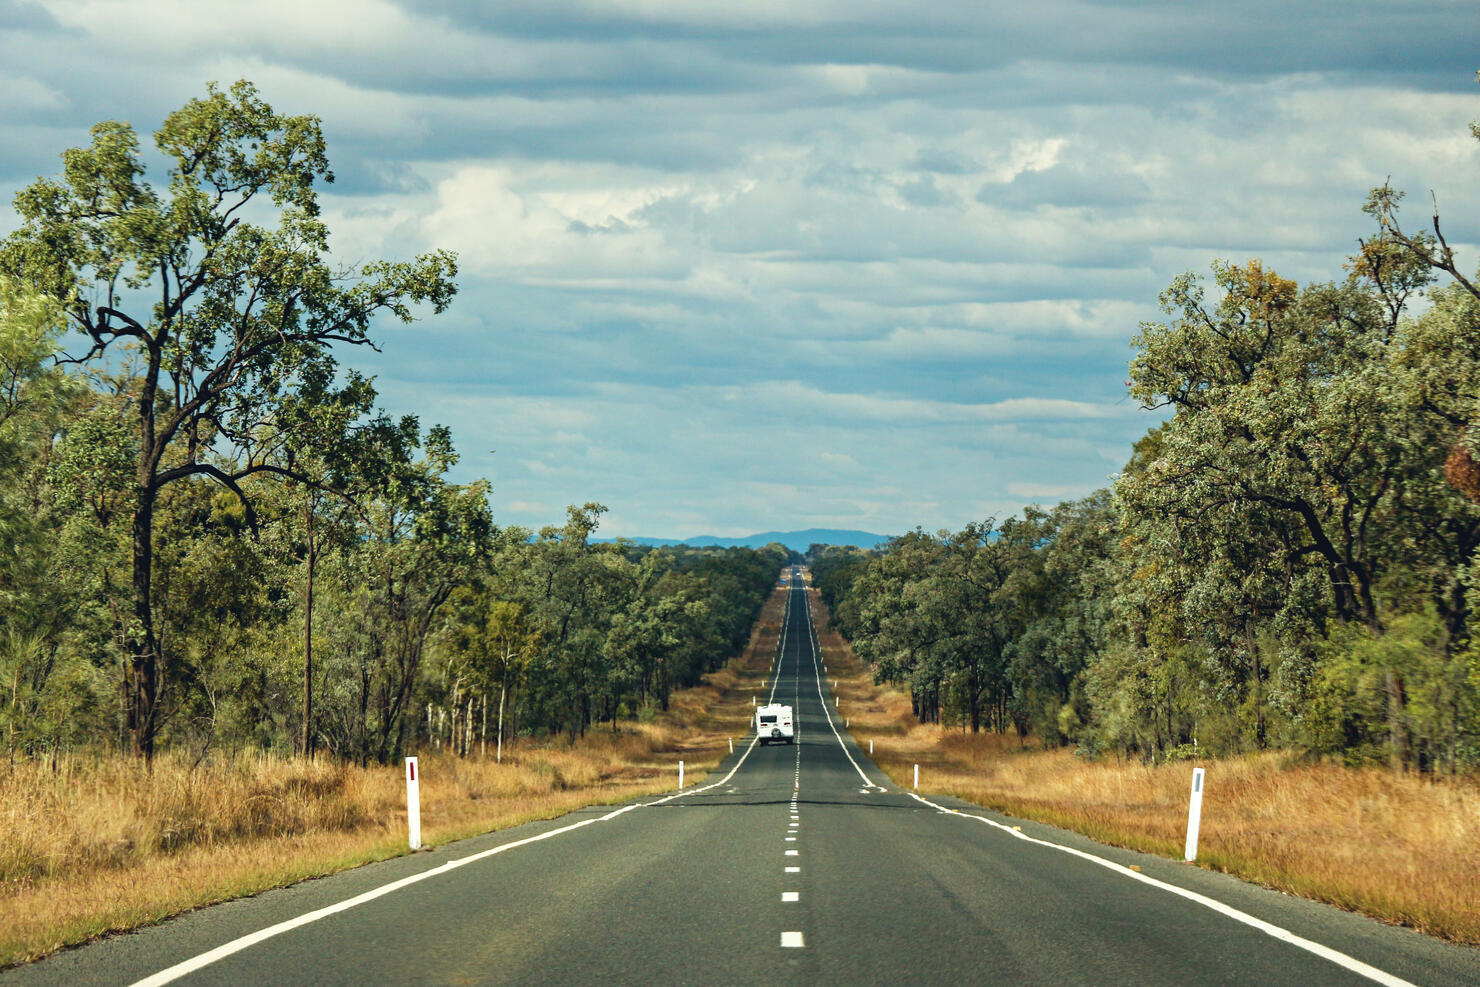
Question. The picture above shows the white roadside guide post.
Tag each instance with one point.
(680, 776)
(917, 777)
(413, 803)
(1194, 815)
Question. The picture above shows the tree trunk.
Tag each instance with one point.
(1397, 733)
(310, 560)
(1251, 641)
(143, 650)
(974, 701)
(362, 727)
(513, 712)
(499, 755)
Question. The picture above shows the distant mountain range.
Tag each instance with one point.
(798, 541)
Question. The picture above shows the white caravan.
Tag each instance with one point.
(774, 723)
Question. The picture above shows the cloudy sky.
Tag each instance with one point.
(760, 264)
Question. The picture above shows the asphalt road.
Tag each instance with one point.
(791, 863)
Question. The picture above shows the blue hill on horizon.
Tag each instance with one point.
(797, 541)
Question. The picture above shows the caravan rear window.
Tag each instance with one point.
(768, 718)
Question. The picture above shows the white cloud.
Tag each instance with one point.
(21, 94)
(500, 227)
(801, 398)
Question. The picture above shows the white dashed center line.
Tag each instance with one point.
(792, 940)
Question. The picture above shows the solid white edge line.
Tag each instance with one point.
(1284, 935)
(775, 680)
(705, 788)
(816, 668)
(780, 649)
(237, 945)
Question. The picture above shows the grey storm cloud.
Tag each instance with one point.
(701, 243)
(944, 162)
(24, 15)
(1254, 38)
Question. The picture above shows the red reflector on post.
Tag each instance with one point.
(412, 769)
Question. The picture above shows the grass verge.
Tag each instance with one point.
(1401, 848)
(95, 845)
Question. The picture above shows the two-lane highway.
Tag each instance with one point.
(789, 862)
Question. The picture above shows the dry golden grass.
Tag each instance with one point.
(1401, 848)
(96, 845)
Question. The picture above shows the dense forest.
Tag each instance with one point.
(209, 534)
(1288, 560)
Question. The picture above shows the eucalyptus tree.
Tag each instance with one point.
(39, 597)
(1298, 441)
(942, 612)
(1274, 392)
(1064, 593)
(343, 456)
(1441, 357)
(835, 570)
(1436, 370)
(423, 539)
(575, 586)
(507, 640)
(1222, 593)
(658, 641)
(640, 639)
(224, 317)
(734, 584)
(897, 646)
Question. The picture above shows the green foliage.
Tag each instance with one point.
(228, 323)
(621, 627)
(1353, 698)
(834, 571)
(1289, 559)
(49, 693)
